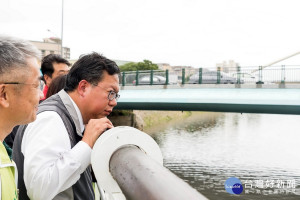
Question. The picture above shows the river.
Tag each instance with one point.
(261, 150)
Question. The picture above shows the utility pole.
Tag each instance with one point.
(62, 27)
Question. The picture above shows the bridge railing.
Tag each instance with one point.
(148, 77)
(233, 75)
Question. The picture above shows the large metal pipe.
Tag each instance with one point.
(141, 177)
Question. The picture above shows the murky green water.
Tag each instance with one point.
(261, 150)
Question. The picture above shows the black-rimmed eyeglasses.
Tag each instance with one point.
(111, 95)
(17, 83)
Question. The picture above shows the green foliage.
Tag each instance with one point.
(145, 65)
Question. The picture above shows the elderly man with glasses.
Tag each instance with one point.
(19, 99)
(55, 150)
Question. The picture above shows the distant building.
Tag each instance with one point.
(164, 66)
(227, 67)
(188, 70)
(51, 46)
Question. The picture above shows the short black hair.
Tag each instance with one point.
(90, 67)
(47, 63)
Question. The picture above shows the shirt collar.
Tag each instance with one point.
(82, 126)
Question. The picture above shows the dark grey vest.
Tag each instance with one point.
(82, 189)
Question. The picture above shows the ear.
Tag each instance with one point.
(83, 88)
(47, 79)
(3, 96)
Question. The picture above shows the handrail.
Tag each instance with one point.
(241, 100)
(238, 75)
(128, 164)
(140, 177)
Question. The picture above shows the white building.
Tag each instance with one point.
(51, 45)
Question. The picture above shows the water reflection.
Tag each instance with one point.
(207, 149)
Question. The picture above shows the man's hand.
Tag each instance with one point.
(94, 129)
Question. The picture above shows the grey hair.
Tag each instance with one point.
(14, 53)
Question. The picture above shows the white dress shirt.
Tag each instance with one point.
(50, 164)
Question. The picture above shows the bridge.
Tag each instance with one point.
(131, 166)
(221, 98)
(131, 163)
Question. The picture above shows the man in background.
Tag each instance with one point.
(53, 65)
(19, 98)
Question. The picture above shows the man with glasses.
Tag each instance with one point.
(55, 150)
(52, 66)
(19, 98)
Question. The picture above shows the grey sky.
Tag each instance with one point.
(179, 32)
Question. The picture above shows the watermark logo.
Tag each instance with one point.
(233, 186)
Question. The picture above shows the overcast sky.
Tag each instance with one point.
(198, 33)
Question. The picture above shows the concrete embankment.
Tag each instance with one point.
(153, 121)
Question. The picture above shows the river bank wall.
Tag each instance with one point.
(153, 121)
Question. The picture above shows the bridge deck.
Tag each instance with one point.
(275, 101)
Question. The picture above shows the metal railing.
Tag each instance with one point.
(128, 164)
(280, 74)
(140, 177)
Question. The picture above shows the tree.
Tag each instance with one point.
(145, 65)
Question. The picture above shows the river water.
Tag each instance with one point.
(261, 150)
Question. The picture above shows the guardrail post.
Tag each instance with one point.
(200, 76)
(260, 76)
(151, 77)
(137, 77)
(282, 74)
(123, 79)
(183, 76)
(167, 77)
(219, 75)
(238, 75)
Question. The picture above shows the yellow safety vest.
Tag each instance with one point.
(8, 180)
